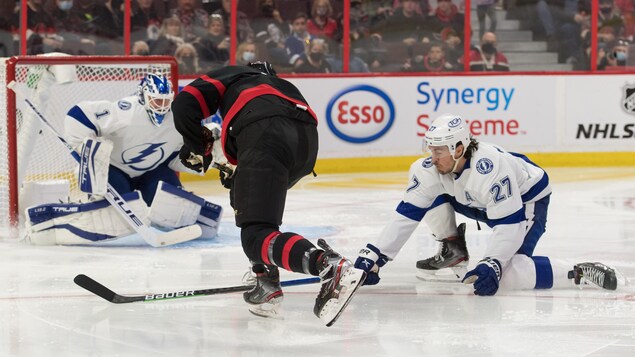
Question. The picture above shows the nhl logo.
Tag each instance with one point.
(628, 101)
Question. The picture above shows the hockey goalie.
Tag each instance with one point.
(132, 145)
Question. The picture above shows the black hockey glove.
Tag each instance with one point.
(193, 161)
(226, 179)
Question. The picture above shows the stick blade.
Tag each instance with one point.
(179, 235)
(95, 287)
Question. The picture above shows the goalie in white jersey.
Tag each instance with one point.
(481, 181)
(132, 145)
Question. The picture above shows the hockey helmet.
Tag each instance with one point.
(156, 95)
(448, 130)
(264, 67)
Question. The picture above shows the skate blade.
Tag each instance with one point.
(333, 308)
(269, 311)
(446, 275)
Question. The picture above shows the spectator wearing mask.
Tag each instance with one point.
(314, 60)
(245, 53)
(187, 59)
(486, 57)
(616, 57)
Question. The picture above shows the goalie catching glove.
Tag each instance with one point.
(370, 259)
(93, 165)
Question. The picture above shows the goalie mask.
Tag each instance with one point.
(448, 130)
(156, 95)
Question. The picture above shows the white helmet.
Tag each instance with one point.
(156, 95)
(448, 130)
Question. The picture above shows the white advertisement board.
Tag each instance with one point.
(388, 116)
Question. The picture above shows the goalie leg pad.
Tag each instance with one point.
(81, 223)
(174, 207)
(93, 166)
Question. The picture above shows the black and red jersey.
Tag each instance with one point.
(229, 89)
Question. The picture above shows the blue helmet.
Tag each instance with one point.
(156, 95)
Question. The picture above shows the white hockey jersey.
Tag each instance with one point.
(139, 145)
(494, 186)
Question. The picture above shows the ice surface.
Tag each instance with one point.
(591, 218)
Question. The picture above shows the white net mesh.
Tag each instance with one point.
(54, 89)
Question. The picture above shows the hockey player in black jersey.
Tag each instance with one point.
(270, 132)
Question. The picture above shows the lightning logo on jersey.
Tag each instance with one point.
(148, 155)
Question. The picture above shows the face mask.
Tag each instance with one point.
(321, 11)
(316, 56)
(65, 5)
(267, 9)
(188, 61)
(488, 48)
(620, 56)
(248, 56)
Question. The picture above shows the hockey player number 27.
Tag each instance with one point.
(498, 189)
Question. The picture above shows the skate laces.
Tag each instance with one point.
(593, 275)
(442, 250)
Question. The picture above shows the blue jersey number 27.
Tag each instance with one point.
(501, 190)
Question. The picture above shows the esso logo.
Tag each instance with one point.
(360, 114)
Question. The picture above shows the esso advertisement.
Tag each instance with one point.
(360, 114)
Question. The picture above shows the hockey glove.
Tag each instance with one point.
(370, 260)
(193, 161)
(226, 177)
(485, 277)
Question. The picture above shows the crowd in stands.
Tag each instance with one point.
(306, 36)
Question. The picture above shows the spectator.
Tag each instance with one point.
(271, 29)
(42, 37)
(170, 37)
(140, 48)
(571, 33)
(145, 21)
(433, 61)
(365, 42)
(193, 19)
(486, 58)
(616, 57)
(187, 59)
(214, 46)
(486, 8)
(313, 61)
(102, 22)
(9, 25)
(298, 38)
(322, 24)
(245, 53)
(447, 15)
(244, 31)
(453, 48)
(69, 27)
(405, 25)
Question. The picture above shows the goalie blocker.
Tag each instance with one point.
(87, 223)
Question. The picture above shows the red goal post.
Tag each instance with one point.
(54, 83)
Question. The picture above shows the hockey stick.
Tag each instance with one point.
(103, 292)
(151, 237)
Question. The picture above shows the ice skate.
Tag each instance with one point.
(596, 274)
(450, 262)
(266, 296)
(340, 281)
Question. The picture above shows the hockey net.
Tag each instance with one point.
(29, 152)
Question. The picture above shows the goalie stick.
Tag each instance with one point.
(151, 237)
(103, 292)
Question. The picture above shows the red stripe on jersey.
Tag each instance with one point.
(264, 250)
(287, 249)
(199, 97)
(216, 83)
(244, 98)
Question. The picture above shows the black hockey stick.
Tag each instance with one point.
(100, 290)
